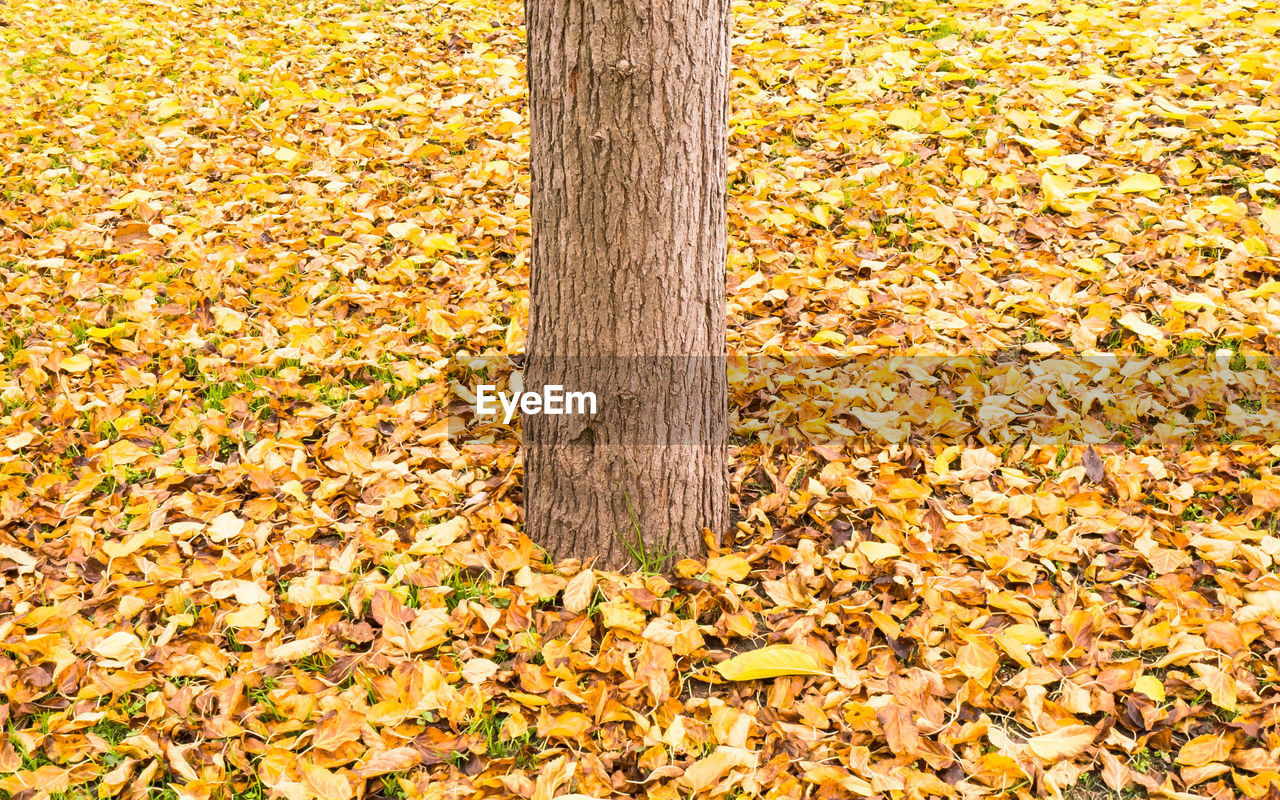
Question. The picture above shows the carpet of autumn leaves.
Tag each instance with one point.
(249, 546)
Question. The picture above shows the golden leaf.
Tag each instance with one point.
(1066, 742)
(728, 568)
(1151, 686)
(1139, 183)
(707, 772)
(773, 661)
(905, 118)
(395, 760)
(224, 527)
(121, 646)
(579, 591)
(75, 364)
(337, 728)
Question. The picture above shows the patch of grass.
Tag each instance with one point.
(465, 587)
(253, 788)
(107, 430)
(226, 448)
(107, 485)
(112, 731)
(216, 394)
(651, 560)
(1141, 760)
(261, 695)
(391, 787)
(333, 396)
(942, 29)
(13, 345)
(523, 748)
(317, 663)
(233, 644)
(133, 475)
(1088, 786)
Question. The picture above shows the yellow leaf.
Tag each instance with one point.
(905, 118)
(1203, 750)
(1140, 326)
(974, 176)
(252, 616)
(621, 615)
(75, 364)
(395, 760)
(19, 441)
(569, 725)
(578, 592)
(1066, 742)
(131, 198)
(336, 729)
(381, 104)
(1195, 300)
(1057, 191)
(728, 568)
(122, 452)
(1227, 208)
(828, 337)
(1221, 686)
(225, 526)
(479, 670)
(299, 648)
(407, 231)
(878, 551)
(439, 241)
(78, 47)
(527, 699)
(113, 332)
(1151, 686)
(325, 785)
(166, 109)
(942, 464)
(1271, 219)
(707, 772)
(845, 98)
(1142, 182)
(773, 661)
(1270, 287)
(121, 646)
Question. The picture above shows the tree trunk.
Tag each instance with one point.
(628, 104)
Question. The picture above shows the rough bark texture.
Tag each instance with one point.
(629, 106)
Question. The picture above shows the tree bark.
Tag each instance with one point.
(628, 105)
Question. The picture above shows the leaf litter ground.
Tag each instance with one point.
(247, 250)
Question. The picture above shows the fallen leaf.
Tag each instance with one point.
(1066, 742)
(772, 661)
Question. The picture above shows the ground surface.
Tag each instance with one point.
(242, 246)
